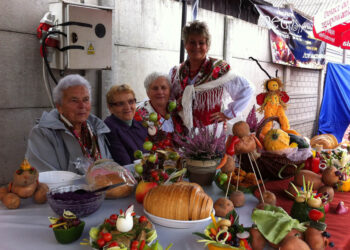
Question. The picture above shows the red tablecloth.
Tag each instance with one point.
(337, 225)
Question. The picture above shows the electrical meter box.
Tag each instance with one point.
(88, 44)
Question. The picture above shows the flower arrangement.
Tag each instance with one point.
(203, 143)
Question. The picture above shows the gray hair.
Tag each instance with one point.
(196, 28)
(67, 82)
(154, 76)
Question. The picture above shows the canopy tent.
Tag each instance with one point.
(335, 110)
(332, 24)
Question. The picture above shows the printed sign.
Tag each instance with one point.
(291, 38)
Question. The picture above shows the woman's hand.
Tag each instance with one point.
(218, 117)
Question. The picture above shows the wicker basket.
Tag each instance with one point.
(271, 165)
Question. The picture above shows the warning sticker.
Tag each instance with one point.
(91, 49)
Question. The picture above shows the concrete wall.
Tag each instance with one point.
(146, 37)
(22, 97)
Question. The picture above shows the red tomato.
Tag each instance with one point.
(315, 215)
(113, 244)
(135, 243)
(113, 217)
(107, 237)
(101, 242)
(100, 234)
(154, 148)
(142, 219)
(142, 245)
(167, 142)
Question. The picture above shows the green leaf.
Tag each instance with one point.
(203, 236)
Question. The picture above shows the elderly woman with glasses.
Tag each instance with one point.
(127, 135)
(202, 85)
(69, 134)
(157, 87)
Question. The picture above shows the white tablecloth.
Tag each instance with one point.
(28, 226)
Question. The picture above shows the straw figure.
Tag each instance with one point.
(273, 102)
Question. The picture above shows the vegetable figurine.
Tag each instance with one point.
(273, 102)
(24, 185)
(67, 228)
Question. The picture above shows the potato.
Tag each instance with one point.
(237, 198)
(25, 178)
(24, 191)
(247, 144)
(292, 243)
(241, 129)
(314, 238)
(327, 189)
(11, 201)
(329, 176)
(3, 191)
(40, 193)
(309, 176)
(223, 206)
(229, 165)
(269, 198)
(258, 240)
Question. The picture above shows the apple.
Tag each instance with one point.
(167, 117)
(152, 158)
(148, 145)
(171, 106)
(142, 189)
(174, 156)
(138, 154)
(138, 168)
(153, 117)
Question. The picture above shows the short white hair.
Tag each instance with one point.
(67, 82)
(154, 76)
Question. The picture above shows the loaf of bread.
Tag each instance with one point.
(179, 201)
(328, 141)
(107, 172)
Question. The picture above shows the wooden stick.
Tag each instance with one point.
(257, 167)
(251, 164)
(228, 185)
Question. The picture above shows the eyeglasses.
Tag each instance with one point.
(122, 104)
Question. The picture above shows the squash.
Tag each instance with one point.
(276, 139)
(302, 143)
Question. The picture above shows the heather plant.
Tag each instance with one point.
(203, 143)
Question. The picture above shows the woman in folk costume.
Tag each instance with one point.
(201, 84)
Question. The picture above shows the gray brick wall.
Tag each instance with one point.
(302, 88)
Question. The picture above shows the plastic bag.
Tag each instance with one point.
(107, 172)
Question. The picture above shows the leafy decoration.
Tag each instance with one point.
(252, 120)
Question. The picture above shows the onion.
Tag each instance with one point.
(341, 208)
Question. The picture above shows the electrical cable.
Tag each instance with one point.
(44, 52)
(47, 86)
(75, 23)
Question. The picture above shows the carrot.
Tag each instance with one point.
(213, 231)
(222, 162)
(258, 143)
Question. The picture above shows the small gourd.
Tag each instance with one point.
(276, 139)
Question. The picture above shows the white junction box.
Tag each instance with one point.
(89, 36)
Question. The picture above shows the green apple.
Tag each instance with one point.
(153, 117)
(171, 106)
(152, 158)
(138, 168)
(148, 145)
(167, 117)
(138, 154)
(174, 156)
